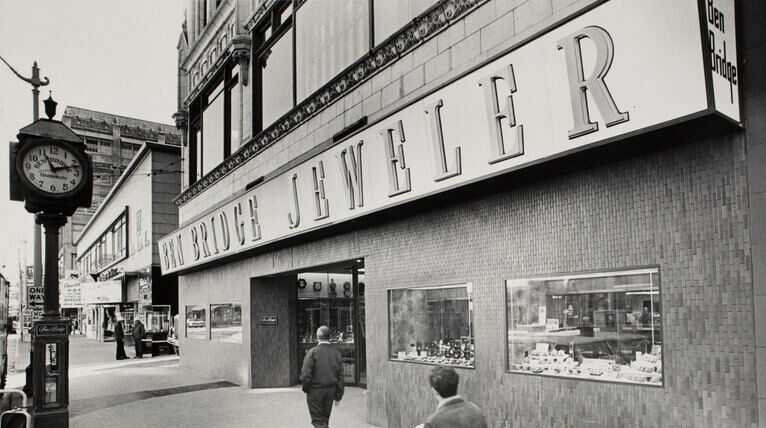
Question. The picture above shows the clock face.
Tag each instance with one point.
(52, 168)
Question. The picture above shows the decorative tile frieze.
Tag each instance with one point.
(419, 29)
(105, 127)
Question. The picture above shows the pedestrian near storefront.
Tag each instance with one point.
(138, 338)
(119, 338)
(452, 411)
(322, 378)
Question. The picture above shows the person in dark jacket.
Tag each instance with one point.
(322, 378)
(452, 411)
(138, 335)
(119, 337)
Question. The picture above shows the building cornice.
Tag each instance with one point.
(419, 30)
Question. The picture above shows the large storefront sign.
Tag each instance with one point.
(70, 295)
(619, 69)
(102, 292)
(723, 56)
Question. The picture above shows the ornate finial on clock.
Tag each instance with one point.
(50, 106)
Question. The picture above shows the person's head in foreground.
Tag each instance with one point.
(323, 333)
(443, 381)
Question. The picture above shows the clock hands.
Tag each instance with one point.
(47, 159)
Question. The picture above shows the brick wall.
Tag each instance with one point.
(752, 45)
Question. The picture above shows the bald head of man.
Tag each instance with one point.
(323, 333)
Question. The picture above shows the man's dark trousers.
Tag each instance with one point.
(121, 355)
(320, 405)
(138, 344)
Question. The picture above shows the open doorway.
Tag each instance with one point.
(333, 295)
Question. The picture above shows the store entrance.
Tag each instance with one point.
(334, 296)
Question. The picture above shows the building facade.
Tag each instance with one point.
(562, 199)
(117, 252)
(111, 141)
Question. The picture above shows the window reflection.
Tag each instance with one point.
(602, 325)
(432, 325)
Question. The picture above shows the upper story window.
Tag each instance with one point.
(91, 145)
(274, 88)
(329, 36)
(299, 50)
(390, 16)
(201, 15)
(296, 51)
(215, 122)
(110, 247)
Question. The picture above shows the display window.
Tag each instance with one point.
(602, 326)
(432, 325)
(196, 322)
(226, 322)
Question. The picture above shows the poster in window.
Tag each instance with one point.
(226, 322)
(196, 322)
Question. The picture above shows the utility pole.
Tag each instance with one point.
(36, 82)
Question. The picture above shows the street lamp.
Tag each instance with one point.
(36, 83)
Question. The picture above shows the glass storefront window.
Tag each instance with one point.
(432, 325)
(226, 322)
(196, 322)
(604, 326)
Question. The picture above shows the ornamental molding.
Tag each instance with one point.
(106, 127)
(215, 54)
(419, 30)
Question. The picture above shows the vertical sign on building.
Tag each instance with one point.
(723, 56)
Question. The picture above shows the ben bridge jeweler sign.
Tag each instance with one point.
(622, 67)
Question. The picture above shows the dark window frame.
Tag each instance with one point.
(196, 113)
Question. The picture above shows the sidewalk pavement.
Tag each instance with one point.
(158, 392)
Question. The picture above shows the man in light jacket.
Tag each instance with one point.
(452, 411)
(322, 378)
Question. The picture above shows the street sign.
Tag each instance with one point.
(35, 296)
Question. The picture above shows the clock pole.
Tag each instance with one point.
(52, 224)
(52, 204)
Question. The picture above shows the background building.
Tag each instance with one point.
(117, 252)
(111, 141)
(563, 199)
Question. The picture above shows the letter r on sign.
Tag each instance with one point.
(579, 85)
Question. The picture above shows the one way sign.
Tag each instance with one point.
(35, 296)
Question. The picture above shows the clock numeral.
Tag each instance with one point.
(76, 173)
(72, 182)
(27, 165)
(53, 188)
(41, 183)
(34, 158)
(38, 165)
(31, 176)
(65, 186)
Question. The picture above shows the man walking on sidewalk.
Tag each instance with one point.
(138, 337)
(322, 378)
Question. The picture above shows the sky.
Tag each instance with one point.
(115, 56)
